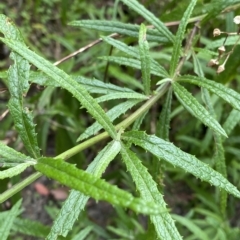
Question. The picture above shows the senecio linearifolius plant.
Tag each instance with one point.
(123, 136)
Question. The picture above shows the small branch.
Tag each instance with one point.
(83, 49)
(186, 50)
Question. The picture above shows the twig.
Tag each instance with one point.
(84, 49)
(186, 49)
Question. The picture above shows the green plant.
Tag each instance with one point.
(85, 184)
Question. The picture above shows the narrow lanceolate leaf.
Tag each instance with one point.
(77, 200)
(227, 94)
(219, 156)
(91, 85)
(170, 153)
(196, 109)
(97, 86)
(197, 65)
(145, 59)
(121, 28)
(23, 120)
(140, 9)
(6, 226)
(83, 233)
(8, 28)
(134, 52)
(8, 153)
(18, 75)
(215, 7)
(112, 96)
(131, 62)
(164, 224)
(15, 170)
(66, 82)
(199, 233)
(137, 124)
(177, 45)
(91, 185)
(30, 228)
(163, 124)
(232, 121)
(113, 113)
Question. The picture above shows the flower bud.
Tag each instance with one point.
(216, 32)
(236, 20)
(221, 68)
(213, 62)
(221, 50)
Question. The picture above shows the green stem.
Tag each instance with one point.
(71, 152)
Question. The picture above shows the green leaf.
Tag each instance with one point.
(83, 233)
(30, 228)
(3, 74)
(121, 28)
(215, 7)
(91, 185)
(125, 78)
(163, 124)
(232, 121)
(191, 226)
(77, 200)
(196, 109)
(197, 65)
(18, 86)
(177, 44)
(232, 40)
(113, 113)
(170, 153)
(91, 85)
(112, 96)
(6, 226)
(15, 170)
(134, 52)
(23, 121)
(8, 28)
(163, 223)
(139, 121)
(66, 82)
(7, 153)
(130, 62)
(97, 86)
(140, 9)
(227, 94)
(145, 59)
(219, 156)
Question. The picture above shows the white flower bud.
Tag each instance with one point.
(216, 32)
(236, 20)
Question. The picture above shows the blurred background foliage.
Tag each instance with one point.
(60, 120)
